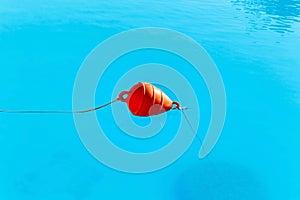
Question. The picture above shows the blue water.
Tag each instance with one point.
(255, 45)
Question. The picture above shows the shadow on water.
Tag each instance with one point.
(276, 15)
(219, 182)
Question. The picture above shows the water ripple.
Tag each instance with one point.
(276, 15)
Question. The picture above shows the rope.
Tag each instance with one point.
(190, 125)
(211, 163)
(57, 111)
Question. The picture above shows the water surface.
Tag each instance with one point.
(255, 46)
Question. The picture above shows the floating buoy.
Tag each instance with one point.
(143, 99)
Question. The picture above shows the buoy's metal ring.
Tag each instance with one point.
(121, 96)
(176, 104)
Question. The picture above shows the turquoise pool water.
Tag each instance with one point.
(255, 45)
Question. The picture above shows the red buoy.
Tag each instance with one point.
(144, 99)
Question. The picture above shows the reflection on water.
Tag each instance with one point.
(222, 181)
(277, 15)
